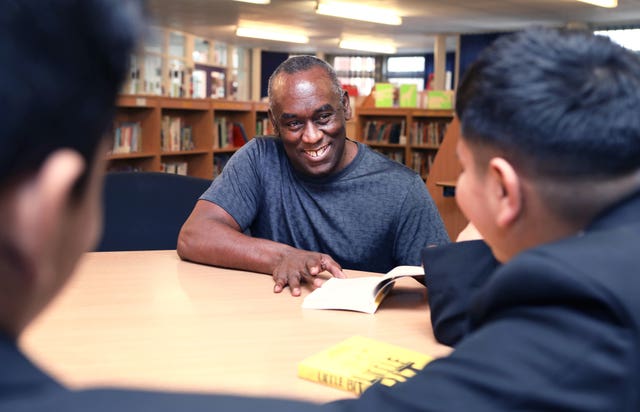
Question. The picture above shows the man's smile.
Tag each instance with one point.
(317, 154)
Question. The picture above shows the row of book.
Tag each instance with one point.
(175, 135)
(428, 132)
(396, 155)
(178, 168)
(421, 162)
(384, 131)
(264, 127)
(228, 133)
(127, 137)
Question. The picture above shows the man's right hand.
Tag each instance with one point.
(299, 265)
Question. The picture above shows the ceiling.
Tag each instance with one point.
(422, 20)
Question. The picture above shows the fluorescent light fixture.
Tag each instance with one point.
(610, 4)
(255, 1)
(368, 46)
(358, 11)
(272, 34)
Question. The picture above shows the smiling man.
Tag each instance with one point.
(312, 199)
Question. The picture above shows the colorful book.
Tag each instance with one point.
(383, 94)
(439, 99)
(363, 294)
(408, 95)
(358, 362)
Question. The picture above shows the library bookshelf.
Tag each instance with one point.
(178, 135)
(408, 135)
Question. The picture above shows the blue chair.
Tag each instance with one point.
(145, 210)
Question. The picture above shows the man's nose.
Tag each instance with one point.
(311, 133)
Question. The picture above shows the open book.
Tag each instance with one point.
(358, 294)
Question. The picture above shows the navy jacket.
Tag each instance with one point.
(557, 328)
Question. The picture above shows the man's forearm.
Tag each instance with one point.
(226, 247)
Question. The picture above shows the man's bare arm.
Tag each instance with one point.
(211, 236)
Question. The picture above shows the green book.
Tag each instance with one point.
(383, 94)
(439, 99)
(408, 95)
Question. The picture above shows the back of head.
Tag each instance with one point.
(556, 103)
(63, 62)
(303, 63)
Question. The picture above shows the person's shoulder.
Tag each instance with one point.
(575, 266)
(265, 144)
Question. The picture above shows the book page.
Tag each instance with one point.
(358, 294)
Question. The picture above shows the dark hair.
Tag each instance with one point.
(303, 63)
(556, 102)
(63, 62)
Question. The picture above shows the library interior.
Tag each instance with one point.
(137, 314)
(197, 87)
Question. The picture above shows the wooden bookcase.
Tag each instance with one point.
(198, 115)
(408, 135)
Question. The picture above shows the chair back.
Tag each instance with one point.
(145, 210)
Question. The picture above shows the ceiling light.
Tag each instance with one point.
(255, 1)
(272, 34)
(359, 11)
(368, 46)
(602, 3)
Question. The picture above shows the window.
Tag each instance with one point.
(358, 71)
(406, 70)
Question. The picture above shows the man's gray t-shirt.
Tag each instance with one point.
(373, 215)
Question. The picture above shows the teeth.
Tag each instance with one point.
(317, 153)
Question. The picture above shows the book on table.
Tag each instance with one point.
(358, 362)
(361, 294)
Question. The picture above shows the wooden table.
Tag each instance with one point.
(149, 320)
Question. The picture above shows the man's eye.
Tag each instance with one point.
(293, 124)
(325, 117)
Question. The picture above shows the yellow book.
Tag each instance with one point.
(358, 362)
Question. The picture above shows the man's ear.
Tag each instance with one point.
(273, 122)
(41, 201)
(506, 191)
(346, 103)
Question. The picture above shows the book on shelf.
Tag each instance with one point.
(358, 362)
(264, 127)
(381, 131)
(178, 168)
(422, 163)
(127, 138)
(224, 131)
(428, 132)
(239, 135)
(383, 94)
(361, 294)
(175, 135)
(440, 99)
(408, 95)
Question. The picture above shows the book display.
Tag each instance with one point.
(408, 135)
(178, 135)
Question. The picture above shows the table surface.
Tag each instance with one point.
(149, 320)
